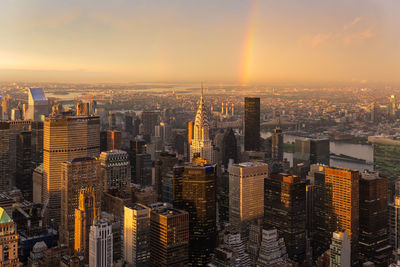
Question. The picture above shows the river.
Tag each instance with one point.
(359, 151)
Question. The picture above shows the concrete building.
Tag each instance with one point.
(137, 235)
(169, 235)
(246, 194)
(8, 241)
(65, 138)
(101, 244)
(340, 250)
(272, 250)
(115, 169)
(77, 175)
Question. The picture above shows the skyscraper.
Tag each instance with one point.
(144, 170)
(229, 147)
(201, 144)
(115, 169)
(77, 175)
(114, 140)
(137, 235)
(87, 212)
(342, 204)
(285, 210)
(24, 165)
(246, 194)
(272, 250)
(252, 124)
(150, 119)
(37, 104)
(277, 144)
(101, 244)
(8, 241)
(169, 235)
(198, 198)
(373, 241)
(65, 138)
(5, 181)
(340, 250)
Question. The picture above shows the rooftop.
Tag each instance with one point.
(4, 218)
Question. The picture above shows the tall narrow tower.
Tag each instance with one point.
(201, 144)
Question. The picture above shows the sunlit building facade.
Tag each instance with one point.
(65, 138)
(8, 241)
(246, 194)
(201, 143)
(137, 235)
(169, 235)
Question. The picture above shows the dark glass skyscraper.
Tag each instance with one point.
(198, 197)
(252, 123)
(373, 241)
(229, 147)
(285, 210)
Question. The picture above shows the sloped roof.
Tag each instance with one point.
(4, 218)
(37, 94)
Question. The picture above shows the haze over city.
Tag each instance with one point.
(306, 42)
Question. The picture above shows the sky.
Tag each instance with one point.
(244, 41)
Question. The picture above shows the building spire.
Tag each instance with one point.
(202, 90)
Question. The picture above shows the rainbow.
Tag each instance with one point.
(247, 53)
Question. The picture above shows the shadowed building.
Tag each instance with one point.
(285, 210)
(169, 235)
(198, 199)
(373, 241)
(252, 124)
(77, 175)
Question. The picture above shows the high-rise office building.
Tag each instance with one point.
(38, 104)
(373, 240)
(285, 210)
(115, 169)
(252, 124)
(149, 120)
(340, 250)
(342, 204)
(190, 131)
(272, 250)
(163, 165)
(201, 143)
(169, 235)
(8, 241)
(229, 147)
(144, 170)
(277, 144)
(37, 143)
(82, 109)
(394, 223)
(311, 151)
(386, 156)
(246, 194)
(5, 181)
(177, 178)
(77, 175)
(114, 140)
(137, 235)
(86, 213)
(24, 165)
(65, 138)
(198, 198)
(101, 244)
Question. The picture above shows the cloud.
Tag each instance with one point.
(351, 32)
(355, 21)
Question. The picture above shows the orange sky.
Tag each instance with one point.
(255, 41)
